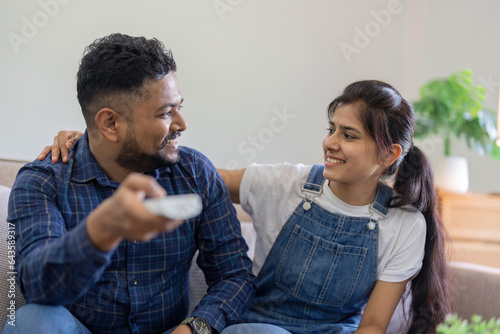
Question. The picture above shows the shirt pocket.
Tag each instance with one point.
(319, 271)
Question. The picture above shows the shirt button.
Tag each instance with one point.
(134, 282)
(133, 242)
(132, 320)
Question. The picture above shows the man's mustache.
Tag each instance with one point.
(173, 136)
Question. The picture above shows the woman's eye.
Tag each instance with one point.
(348, 136)
(330, 131)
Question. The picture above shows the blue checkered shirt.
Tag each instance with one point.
(138, 287)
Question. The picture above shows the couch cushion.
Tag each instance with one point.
(10, 295)
(197, 285)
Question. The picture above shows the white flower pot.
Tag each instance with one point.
(452, 174)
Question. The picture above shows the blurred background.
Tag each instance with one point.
(256, 75)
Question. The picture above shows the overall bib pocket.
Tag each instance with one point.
(309, 263)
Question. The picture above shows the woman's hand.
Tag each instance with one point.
(60, 147)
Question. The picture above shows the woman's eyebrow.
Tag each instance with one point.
(345, 128)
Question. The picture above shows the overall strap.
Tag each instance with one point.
(314, 182)
(313, 186)
(380, 204)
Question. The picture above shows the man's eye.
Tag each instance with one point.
(330, 131)
(165, 114)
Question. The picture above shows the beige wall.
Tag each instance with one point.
(256, 75)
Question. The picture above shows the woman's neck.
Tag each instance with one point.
(354, 194)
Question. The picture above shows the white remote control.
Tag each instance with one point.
(184, 206)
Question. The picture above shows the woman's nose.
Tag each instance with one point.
(331, 142)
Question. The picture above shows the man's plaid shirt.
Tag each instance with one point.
(138, 287)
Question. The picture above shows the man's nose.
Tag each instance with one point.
(178, 123)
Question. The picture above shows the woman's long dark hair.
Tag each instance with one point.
(390, 120)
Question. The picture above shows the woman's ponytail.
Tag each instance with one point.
(414, 182)
(429, 289)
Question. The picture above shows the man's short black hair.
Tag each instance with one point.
(114, 69)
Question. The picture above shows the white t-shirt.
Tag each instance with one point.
(270, 194)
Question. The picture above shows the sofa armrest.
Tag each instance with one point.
(476, 290)
(8, 171)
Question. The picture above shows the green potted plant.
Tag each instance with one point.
(452, 108)
(455, 325)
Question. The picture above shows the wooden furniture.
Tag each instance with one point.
(473, 223)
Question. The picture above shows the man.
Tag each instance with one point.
(85, 241)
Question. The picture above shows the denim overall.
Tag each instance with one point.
(322, 268)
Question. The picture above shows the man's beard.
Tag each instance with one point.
(133, 158)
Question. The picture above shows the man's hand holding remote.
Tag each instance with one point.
(124, 216)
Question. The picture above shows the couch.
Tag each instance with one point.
(476, 287)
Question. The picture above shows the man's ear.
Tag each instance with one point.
(108, 124)
(391, 155)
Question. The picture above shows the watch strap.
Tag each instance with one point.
(189, 321)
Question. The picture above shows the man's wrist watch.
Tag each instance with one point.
(197, 325)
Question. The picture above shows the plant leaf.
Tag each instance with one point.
(452, 106)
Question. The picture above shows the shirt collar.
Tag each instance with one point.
(86, 167)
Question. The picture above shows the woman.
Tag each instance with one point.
(334, 239)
